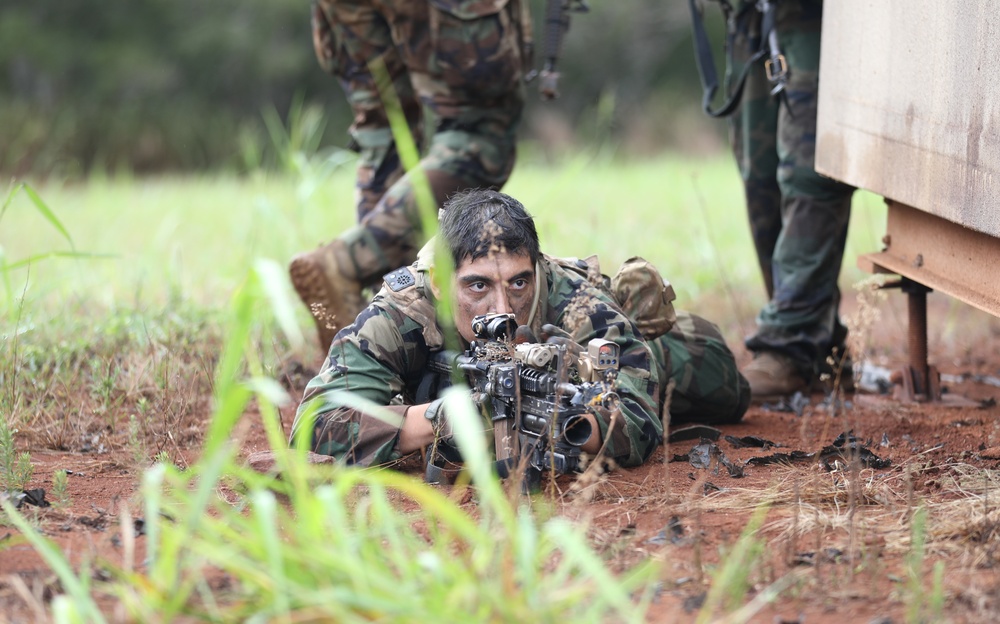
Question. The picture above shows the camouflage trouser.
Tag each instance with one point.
(463, 59)
(798, 218)
(708, 388)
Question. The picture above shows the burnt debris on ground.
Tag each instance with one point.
(703, 454)
(844, 450)
(17, 498)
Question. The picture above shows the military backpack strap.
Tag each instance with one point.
(775, 66)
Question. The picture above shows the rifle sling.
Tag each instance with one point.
(706, 61)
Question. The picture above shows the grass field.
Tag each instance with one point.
(194, 239)
(167, 291)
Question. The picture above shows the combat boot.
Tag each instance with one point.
(773, 376)
(333, 298)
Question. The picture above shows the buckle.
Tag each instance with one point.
(776, 68)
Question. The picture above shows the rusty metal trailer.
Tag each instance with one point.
(909, 108)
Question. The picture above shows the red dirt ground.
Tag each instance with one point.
(629, 510)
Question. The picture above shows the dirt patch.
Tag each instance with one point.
(836, 535)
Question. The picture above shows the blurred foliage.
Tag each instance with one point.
(161, 85)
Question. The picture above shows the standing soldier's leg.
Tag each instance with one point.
(708, 388)
(800, 323)
(467, 69)
(466, 64)
(753, 132)
(348, 35)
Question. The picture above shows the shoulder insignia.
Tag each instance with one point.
(399, 279)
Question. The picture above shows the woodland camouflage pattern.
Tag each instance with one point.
(798, 218)
(707, 386)
(464, 59)
(384, 353)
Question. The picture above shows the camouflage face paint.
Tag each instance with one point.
(496, 283)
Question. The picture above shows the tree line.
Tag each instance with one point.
(187, 85)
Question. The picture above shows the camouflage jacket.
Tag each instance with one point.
(384, 355)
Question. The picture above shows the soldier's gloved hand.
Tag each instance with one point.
(435, 414)
(444, 447)
(554, 335)
(551, 331)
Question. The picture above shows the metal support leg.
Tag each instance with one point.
(917, 308)
(931, 252)
(920, 381)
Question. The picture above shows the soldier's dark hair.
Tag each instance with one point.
(479, 222)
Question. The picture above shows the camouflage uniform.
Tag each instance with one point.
(384, 354)
(798, 218)
(707, 386)
(461, 58)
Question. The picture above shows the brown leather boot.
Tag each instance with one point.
(773, 376)
(333, 298)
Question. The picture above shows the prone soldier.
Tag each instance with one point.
(499, 269)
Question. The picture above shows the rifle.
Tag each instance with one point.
(538, 394)
(556, 25)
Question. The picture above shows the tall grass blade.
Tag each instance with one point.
(915, 565)
(274, 282)
(266, 528)
(406, 146)
(231, 398)
(279, 136)
(427, 207)
(346, 398)
(41, 206)
(36, 258)
(152, 485)
(50, 216)
(468, 430)
(8, 289)
(65, 610)
(606, 590)
(730, 582)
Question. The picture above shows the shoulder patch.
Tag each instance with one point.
(399, 279)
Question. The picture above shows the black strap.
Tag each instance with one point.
(706, 62)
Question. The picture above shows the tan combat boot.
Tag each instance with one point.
(773, 376)
(333, 298)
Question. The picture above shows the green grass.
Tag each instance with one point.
(193, 239)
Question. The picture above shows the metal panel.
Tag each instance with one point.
(941, 255)
(909, 104)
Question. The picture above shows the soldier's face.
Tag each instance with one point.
(497, 283)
